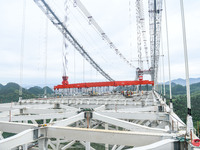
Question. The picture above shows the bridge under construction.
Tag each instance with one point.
(100, 115)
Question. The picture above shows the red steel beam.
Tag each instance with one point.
(102, 84)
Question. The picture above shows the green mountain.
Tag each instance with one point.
(36, 90)
(49, 90)
(178, 89)
(1, 86)
(180, 101)
(180, 107)
(195, 88)
(10, 92)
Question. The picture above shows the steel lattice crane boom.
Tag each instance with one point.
(63, 29)
(141, 31)
(139, 46)
(155, 15)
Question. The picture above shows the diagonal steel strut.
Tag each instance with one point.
(63, 29)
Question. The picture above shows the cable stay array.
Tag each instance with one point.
(63, 29)
(92, 22)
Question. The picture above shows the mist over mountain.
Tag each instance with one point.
(183, 81)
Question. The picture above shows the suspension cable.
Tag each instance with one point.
(163, 67)
(170, 86)
(91, 36)
(93, 42)
(74, 65)
(91, 74)
(185, 56)
(83, 70)
(93, 22)
(65, 45)
(161, 89)
(189, 116)
(130, 28)
(22, 49)
(45, 66)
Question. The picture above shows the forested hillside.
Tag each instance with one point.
(181, 90)
(180, 101)
(10, 92)
(180, 107)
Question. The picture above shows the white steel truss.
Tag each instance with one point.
(59, 123)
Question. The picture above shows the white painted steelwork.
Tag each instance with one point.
(102, 120)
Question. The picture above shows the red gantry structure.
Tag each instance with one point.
(66, 85)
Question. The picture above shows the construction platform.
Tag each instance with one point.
(112, 121)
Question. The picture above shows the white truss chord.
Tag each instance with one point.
(114, 147)
(100, 108)
(163, 144)
(137, 115)
(21, 138)
(85, 144)
(120, 147)
(39, 117)
(68, 145)
(126, 125)
(13, 127)
(108, 137)
(70, 120)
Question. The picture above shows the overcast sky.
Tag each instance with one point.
(114, 17)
